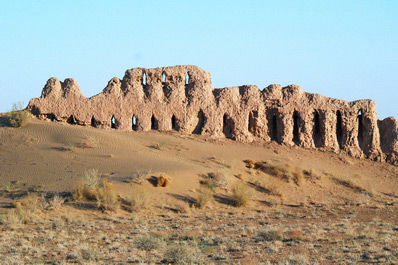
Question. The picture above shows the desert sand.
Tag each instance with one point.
(338, 210)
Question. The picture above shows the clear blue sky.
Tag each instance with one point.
(342, 49)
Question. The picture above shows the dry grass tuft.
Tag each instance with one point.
(86, 187)
(25, 210)
(184, 254)
(205, 196)
(163, 180)
(139, 200)
(215, 180)
(269, 235)
(241, 194)
(107, 198)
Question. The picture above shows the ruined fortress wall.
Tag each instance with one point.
(181, 98)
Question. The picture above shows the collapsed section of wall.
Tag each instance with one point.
(181, 98)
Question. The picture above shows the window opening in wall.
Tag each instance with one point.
(201, 123)
(71, 120)
(273, 127)
(134, 123)
(174, 124)
(253, 116)
(296, 121)
(317, 129)
(144, 78)
(360, 127)
(154, 123)
(228, 126)
(94, 123)
(339, 129)
(113, 122)
(187, 77)
(163, 77)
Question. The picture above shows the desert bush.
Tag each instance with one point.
(216, 180)
(25, 210)
(163, 180)
(107, 198)
(138, 201)
(19, 116)
(184, 254)
(269, 235)
(241, 194)
(149, 243)
(86, 187)
(310, 174)
(55, 202)
(138, 176)
(205, 195)
(297, 176)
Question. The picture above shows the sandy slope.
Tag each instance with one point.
(56, 155)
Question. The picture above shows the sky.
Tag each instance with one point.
(342, 49)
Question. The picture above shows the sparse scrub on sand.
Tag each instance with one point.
(55, 202)
(241, 194)
(106, 195)
(205, 196)
(138, 201)
(269, 235)
(352, 184)
(294, 235)
(310, 174)
(216, 180)
(282, 171)
(184, 254)
(86, 188)
(159, 146)
(19, 116)
(138, 176)
(149, 243)
(25, 210)
(273, 187)
(163, 180)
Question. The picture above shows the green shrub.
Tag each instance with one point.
(19, 116)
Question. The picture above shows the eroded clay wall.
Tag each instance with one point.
(181, 98)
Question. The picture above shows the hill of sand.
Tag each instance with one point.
(51, 157)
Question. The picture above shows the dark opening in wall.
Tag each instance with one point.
(134, 122)
(154, 123)
(174, 123)
(296, 124)
(144, 79)
(113, 123)
(201, 123)
(163, 77)
(187, 78)
(272, 118)
(51, 117)
(94, 122)
(339, 129)
(253, 117)
(317, 130)
(71, 120)
(360, 127)
(228, 126)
